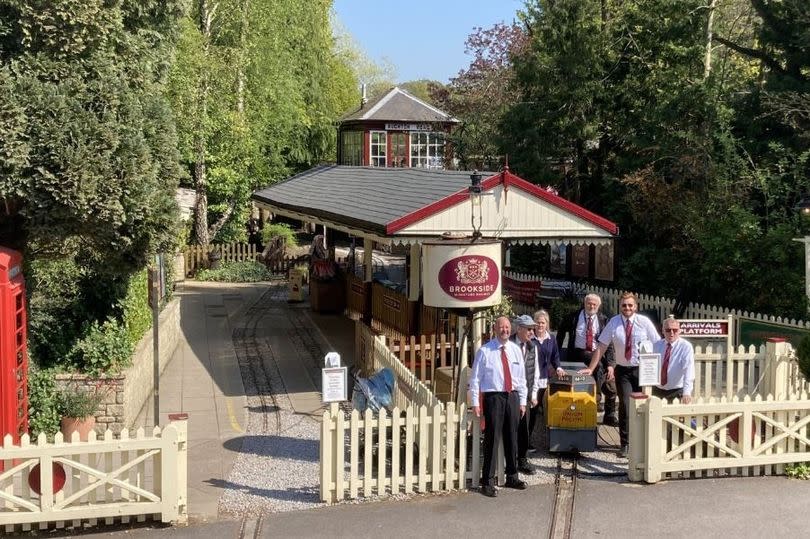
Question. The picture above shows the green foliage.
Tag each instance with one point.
(560, 308)
(283, 230)
(43, 403)
(803, 354)
(104, 349)
(798, 470)
(236, 272)
(135, 311)
(74, 400)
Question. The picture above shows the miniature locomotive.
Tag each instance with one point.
(570, 404)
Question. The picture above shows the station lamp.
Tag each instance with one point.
(476, 193)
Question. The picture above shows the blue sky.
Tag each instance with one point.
(422, 39)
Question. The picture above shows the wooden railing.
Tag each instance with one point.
(101, 479)
(356, 291)
(391, 311)
(423, 354)
(375, 355)
(415, 449)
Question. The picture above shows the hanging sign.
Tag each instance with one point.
(706, 329)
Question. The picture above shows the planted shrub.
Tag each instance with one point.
(283, 230)
(236, 272)
(105, 349)
(43, 403)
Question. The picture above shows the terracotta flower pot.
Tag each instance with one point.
(82, 425)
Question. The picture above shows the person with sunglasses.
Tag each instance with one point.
(677, 364)
(630, 333)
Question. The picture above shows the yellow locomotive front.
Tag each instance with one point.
(570, 404)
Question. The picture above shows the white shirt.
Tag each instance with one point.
(582, 328)
(681, 370)
(487, 370)
(644, 333)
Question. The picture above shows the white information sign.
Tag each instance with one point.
(334, 384)
(649, 369)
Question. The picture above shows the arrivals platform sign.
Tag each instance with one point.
(704, 329)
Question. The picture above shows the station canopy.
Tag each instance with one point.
(411, 205)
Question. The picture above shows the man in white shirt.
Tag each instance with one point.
(677, 364)
(629, 332)
(498, 385)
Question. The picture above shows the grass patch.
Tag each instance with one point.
(799, 470)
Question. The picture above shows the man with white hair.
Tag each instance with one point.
(583, 328)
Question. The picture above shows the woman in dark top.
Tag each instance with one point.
(548, 357)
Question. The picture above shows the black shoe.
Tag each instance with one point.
(524, 467)
(515, 483)
(622, 453)
(610, 420)
(489, 491)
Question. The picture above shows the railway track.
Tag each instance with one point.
(565, 493)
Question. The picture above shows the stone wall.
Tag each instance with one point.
(138, 386)
(127, 393)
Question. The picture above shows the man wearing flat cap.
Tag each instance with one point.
(524, 326)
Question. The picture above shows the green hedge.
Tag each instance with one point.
(236, 272)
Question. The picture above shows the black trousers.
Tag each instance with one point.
(626, 384)
(502, 414)
(526, 425)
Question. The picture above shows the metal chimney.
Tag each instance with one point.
(363, 98)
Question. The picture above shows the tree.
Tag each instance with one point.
(270, 81)
(480, 95)
(88, 154)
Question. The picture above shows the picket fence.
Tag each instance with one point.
(761, 427)
(665, 306)
(100, 480)
(418, 449)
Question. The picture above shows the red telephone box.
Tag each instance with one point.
(13, 347)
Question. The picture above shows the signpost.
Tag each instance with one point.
(157, 292)
(334, 381)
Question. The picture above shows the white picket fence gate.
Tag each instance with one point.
(764, 425)
(100, 480)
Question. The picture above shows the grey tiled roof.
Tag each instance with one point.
(364, 197)
(397, 105)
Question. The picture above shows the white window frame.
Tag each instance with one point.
(379, 159)
(428, 154)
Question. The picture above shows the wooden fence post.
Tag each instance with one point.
(654, 440)
(778, 367)
(638, 420)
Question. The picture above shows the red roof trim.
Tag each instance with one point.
(509, 180)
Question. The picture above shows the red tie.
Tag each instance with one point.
(628, 340)
(507, 376)
(589, 333)
(665, 364)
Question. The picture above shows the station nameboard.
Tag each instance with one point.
(711, 329)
